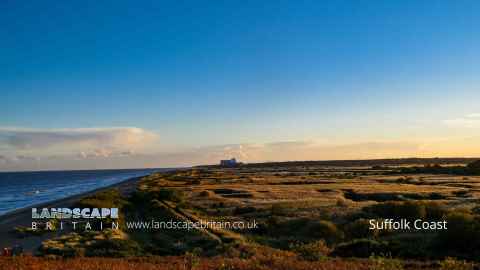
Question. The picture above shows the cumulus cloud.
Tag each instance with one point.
(108, 158)
(25, 144)
(468, 121)
(81, 138)
(112, 148)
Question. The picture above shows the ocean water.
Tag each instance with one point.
(22, 189)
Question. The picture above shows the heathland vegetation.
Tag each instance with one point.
(309, 216)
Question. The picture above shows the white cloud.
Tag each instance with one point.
(473, 115)
(107, 158)
(468, 121)
(111, 148)
(17, 144)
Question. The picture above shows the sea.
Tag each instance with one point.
(23, 189)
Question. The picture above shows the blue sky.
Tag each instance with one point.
(199, 75)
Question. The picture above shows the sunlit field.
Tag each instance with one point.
(308, 217)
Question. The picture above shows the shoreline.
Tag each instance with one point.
(23, 216)
(69, 198)
(45, 204)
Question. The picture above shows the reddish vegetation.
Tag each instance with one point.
(176, 263)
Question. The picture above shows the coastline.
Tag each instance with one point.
(71, 198)
(22, 216)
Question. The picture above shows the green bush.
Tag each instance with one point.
(113, 248)
(359, 228)
(408, 210)
(69, 245)
(167, 194)
(304, 229)
(363, 248)
(323, 230)
(385, 263)
(105, 199)
(244, 210)
(453, 264)
(313, 251)
(435, 210)
(415, 245)
(23, 232)
(279, 209)
(462, 235)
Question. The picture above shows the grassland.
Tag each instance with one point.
(310, 216)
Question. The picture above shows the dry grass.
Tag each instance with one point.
(188, 262)
(272, 196)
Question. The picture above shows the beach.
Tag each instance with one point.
(330, 208)
(23, 216)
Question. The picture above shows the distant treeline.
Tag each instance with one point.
(355, 163)
(472, 168)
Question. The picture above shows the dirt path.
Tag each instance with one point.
(189, 218)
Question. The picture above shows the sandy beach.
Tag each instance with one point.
(23, 217)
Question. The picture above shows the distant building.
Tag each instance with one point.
(229, 162)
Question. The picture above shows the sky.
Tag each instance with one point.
(123, 84)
